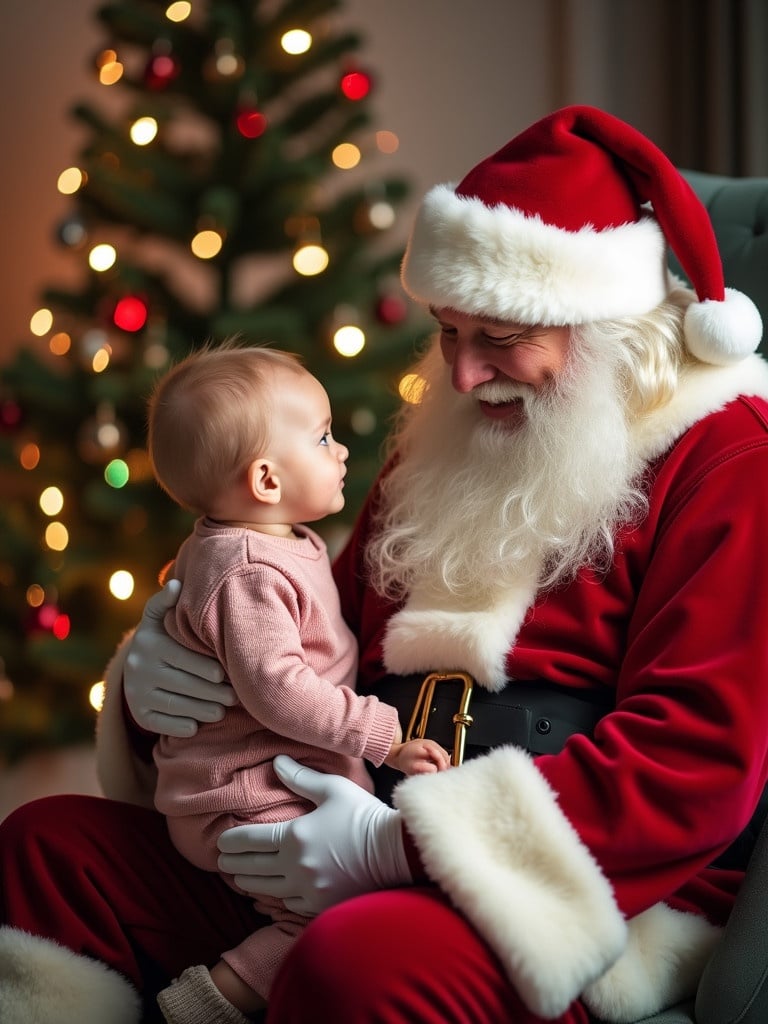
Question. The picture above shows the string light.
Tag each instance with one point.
(116, 473)
(346, 155)
(29, 456)
(387, 142)
(296, 41)
(349, 340)
(226, 62)
(143, 131)
(60, 343)
(121, 584)
(102, 257)
(35, 595)
(381, 215)
(70, 180)
(56, 536)
(97, 692)
(41, 322)
(51, 501)
(310, 259)
(412, 388)
(178, 11)
(206, 244)
(109, 67)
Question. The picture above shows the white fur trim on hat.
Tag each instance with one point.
(41, 982)
(492, 835)
(497, 262)
(723, 332)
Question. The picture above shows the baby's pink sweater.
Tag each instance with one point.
(267, 609)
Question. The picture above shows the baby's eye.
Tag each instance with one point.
(326, 438)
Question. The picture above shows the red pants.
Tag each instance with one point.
(103, 879)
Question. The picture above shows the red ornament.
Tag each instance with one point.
(356, 84)
(130, 313)
(160, 71)
(251, 123)
(61, 626)
(391, 310)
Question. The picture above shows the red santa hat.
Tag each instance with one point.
(570, 223)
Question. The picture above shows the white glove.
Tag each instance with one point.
(351, 844)
(168, 687)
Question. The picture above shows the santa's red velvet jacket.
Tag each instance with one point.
(587, 871)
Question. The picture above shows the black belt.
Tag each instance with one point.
(532, 714)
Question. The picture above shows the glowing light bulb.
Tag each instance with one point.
(29, 456)
(178, 11)
(59, 344)
(412, 388)
(51, 501)
(121, 584)
(346, 156)
(35, 595)
(41, 322)
(206, 244)
(102, 257)
(70, 180)
(57, 536)
(96, 695)
(296, 41)
(116, 473)
(143, 131)
(387, 142)
(111, 73)
(349, 340)
(310, 259)
(101, 358)
(381, 215)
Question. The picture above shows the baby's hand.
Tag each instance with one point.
(418, 757)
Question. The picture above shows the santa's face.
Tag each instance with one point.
(517, 461)
(493, 358)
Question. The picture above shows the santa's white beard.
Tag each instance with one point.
(474, 506)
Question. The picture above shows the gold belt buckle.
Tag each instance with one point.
(422, 709)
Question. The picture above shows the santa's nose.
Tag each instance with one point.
(468, 366)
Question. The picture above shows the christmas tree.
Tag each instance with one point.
(225, 187)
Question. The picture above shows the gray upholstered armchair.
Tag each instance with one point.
(734, 989)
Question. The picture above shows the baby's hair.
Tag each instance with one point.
(209, 418)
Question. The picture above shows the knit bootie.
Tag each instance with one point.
(194, 999)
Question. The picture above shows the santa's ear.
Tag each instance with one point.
(263, 481)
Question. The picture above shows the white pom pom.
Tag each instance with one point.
(723, 332)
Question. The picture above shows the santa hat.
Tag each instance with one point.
(556, 228)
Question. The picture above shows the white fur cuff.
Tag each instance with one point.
(44, 983)
(493, 837)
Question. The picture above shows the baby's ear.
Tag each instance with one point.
(263, 481)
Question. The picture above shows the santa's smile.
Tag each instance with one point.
(512, 411)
